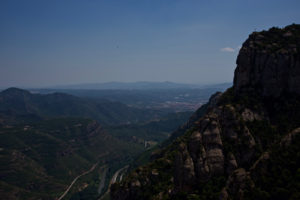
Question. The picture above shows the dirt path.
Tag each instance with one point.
(75, 179)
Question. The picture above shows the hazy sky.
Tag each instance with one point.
(49, 42)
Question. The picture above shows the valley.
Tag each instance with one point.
(132, 144)
(160, 98)
(78, 146)
(149, 100)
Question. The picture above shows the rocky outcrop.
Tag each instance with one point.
(269, 63)
(227, 150)
(236, 184)
(208, 149)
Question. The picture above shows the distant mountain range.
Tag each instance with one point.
(142, 85)
(172, 98)
(20, 105)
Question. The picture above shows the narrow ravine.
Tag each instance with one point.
(102, 181)
(115, 176)
(113, 180)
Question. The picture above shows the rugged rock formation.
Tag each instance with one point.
(269, 62)
(237, 148)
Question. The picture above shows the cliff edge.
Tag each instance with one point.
(246, 145)
(268, 62)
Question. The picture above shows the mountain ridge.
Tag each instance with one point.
(18, 103)
(140, 85)
(243, 147)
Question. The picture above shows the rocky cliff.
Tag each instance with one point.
(246, 145)
(269, 62)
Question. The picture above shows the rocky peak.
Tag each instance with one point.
(269, 63)
(238, 145)
(14, 92)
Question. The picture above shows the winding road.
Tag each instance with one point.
(75, 179)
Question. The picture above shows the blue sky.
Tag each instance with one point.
(54, 42)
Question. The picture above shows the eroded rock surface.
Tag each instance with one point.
(228, 149)
(269, 62)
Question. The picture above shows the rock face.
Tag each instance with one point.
(269, 62)
(236, 149)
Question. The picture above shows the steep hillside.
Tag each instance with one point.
(41, 159)
(154, 131)
(247, 145)
(20, 105)
(46, 141)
